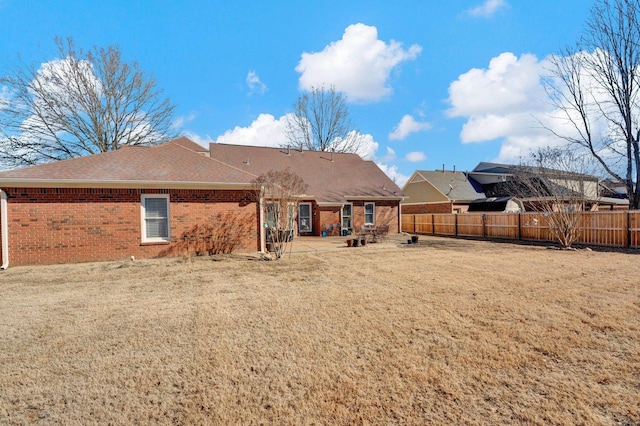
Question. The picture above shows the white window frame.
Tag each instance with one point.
(143, 200)
(373, 213)
(310, 218)
(342, 217)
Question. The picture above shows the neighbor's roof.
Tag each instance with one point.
(510, 169)
(166, 164)
(331, 177)
(454, 185)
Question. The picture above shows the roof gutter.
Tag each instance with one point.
(81, 183)
(373, 197)
(4, 230)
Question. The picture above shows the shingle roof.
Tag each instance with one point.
(331, 177)
(169, 162)
(454, 185)
(188, 143)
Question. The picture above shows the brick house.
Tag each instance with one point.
(152, 201)
(345, 192)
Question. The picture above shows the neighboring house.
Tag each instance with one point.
(146, 201)
(492, 187)
(439, 191)
(613, 189)
(497, 181)
(344, 191)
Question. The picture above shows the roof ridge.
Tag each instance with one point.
(205, 157)
(285, 149)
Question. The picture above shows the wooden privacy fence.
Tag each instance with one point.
(616, 229)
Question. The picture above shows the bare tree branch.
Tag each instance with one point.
(597, 82)
(320, 122)
(280, 193)
(82, 103)
(560, 183)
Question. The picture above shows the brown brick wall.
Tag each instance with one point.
(386, 214)
(328, 217)
(427, 208)
(58, 225)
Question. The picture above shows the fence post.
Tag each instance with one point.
(628, 242)
(414, 223)
(484, 227)
(456, 223)
(519, 226)
(433, 224)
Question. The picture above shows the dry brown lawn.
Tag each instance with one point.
(448, 332)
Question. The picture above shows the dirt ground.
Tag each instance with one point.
(444, 332)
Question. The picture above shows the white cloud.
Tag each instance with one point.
(510, 84)
(394, 175)
(367, 146)
(415, 157)
(180, 121)
(255, 84)
(488, 8)
(506, 100)
(390, 156)
(359, 64)
(408, 125)
(264, 131)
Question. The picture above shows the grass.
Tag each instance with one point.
(447, 332)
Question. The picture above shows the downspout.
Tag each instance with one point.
(261, 224)
(400, 216)
(4, 230)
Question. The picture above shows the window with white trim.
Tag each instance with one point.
(155, 218)
(369, 213)
(304, 217)
(347, 216)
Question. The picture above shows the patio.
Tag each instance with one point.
(311, 244)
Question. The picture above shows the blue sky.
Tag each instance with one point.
(429, 82)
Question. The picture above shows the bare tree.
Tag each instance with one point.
(595, 87)
(81, 103)
(320, 122)
(280, 193)
(556, 182)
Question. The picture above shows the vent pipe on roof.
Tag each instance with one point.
(289, 150)
(454, 168)
(442, 167)
(332, 156)
(246, 160)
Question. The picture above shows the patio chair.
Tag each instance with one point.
(381, 232)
